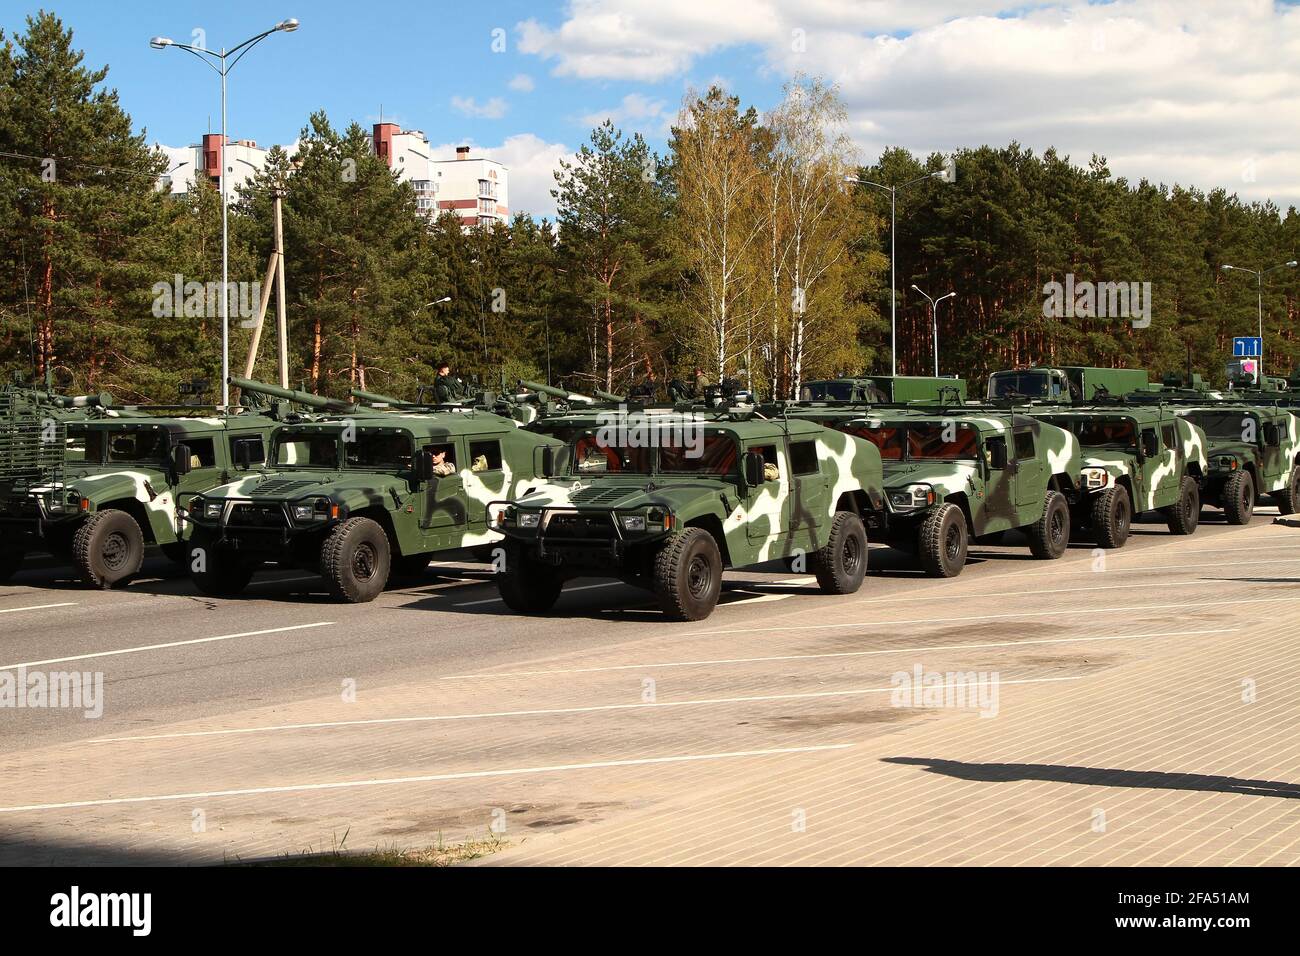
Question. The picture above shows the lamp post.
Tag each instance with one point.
(934, 322)
(218, 62)
(1259, 303)
(948, 175)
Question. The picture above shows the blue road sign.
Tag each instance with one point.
(1247, 346)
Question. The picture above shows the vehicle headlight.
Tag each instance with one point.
(633, 522)
(303, 512)
(1226, 461)
(212, 510)
(311, 509)
(529, 519)
(1095, 478)
(912, 497)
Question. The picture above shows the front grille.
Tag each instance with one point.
(282, 486)
(256, 515)
(597, 495)
(579, 526)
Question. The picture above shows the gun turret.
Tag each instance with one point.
(293, 395)
(374, 398)
(554, 392)
(610, 396)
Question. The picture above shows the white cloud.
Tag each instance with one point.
(1206, 94)
(531, 163)
(634, 109)
(522, 83)
(495, 108)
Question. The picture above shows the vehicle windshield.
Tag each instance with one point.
(296, 449)
(111, 447)
(1030, 384)
(922, 441)
(828, 391)
(1233, 426)
(380, 451)
(672, 451)
(1119, 433)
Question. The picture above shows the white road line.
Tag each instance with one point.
(158, 647)
(585, 587)
(38, 607)
(1127, 609)
(425, 778)
(598, 708)
(1154, 567)
(836, 654)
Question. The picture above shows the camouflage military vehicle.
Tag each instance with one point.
(883, 389)
(1067, 385)
(356, 496)
(96, 491)
(954, 474)
(1136, 458)
(667, 499)
(1253, 450)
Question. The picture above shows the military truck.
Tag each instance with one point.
(1252, 450)
(358, 495)
(1070, 384)
(95, 491)
(954, 474)
(1136, 458)
(667, 499)
(883, 389)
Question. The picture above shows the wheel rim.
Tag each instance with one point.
(363, 562)
(115, 551)
(851, 555)
(952, 543)
(699, 576)
(1057, 526)
(1122, 517)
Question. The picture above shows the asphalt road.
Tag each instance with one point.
(275, 722)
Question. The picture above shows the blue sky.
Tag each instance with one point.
(1204, 93)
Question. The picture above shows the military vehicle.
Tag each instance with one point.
(1136, 458)
(953, 474)
(883, 389)
(95, 491)
(667, 499)
(1071, 384)
(359, 494)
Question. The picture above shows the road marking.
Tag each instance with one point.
(158, 647)
(37, 607)
(425, 778)
(836, 654)
(1127, 609)
(597, 708)
(585, 587)
(1155, 567)
(308, 577)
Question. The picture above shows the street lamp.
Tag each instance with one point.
(208, 57)
(1259, 302)
(947, 175)
(934, 322)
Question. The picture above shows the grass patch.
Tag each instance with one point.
(440, 854)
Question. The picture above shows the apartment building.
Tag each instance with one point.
(243, 158)
(474, 188)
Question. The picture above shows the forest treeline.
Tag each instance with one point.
(742, 251)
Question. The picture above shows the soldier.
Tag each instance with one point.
(441, 466)
(447, 388)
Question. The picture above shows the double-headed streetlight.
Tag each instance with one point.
(218, 62)
(1259, 302)
(948, 175)
(934, 322)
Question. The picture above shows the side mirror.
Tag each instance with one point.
(1150, 444)
(181, 459)
(547, 467)
(1272, 437)
(753, 468)
(423, 466)
(997, 448)
(241, 455)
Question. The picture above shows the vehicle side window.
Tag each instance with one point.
(771, 468)
(1170, 434)
(202, 452)
(252, 446)
(485, 455)
(803, 458)
(1024, 445)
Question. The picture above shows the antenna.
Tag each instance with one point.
(27, 299)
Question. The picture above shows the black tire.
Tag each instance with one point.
(942, 542)
(355, 560)
(1288, 499)
(1112, 517)
(1184, 516)
(223, 574)
(108, 549)
(410, 566)
(11, 559)
(1238, 497)
(841, 564)
(1049, 536)
(688, 575)
(527, 586)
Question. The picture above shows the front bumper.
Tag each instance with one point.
(259, 527)
(588, 537)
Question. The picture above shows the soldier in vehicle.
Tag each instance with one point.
(442, 464)
(447, 388)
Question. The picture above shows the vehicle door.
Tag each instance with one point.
(1170, 478)
(205, 471)
(1030, 474)
(812, 491)
(1272, 435)
(444, 494)
(1157, 467)
(767, 504)
(1000, 511)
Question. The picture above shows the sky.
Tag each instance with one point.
(1199, 92)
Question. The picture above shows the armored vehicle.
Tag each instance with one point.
(356, 496)
(666, 499)
(96, 490)
(1136, 458)
(1071, 384)
(883, 389)
(956, 474)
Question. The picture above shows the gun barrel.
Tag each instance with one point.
(374, 398)
(292, 395)
(555, 392)
(610, 396)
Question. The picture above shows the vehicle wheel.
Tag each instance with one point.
(942, 542)
(108, 548)
(1112, 514)
(1288, 499)
(355, 560)
(841, 565)
(1239, 497)
(1184, 516)
(11, 559)
(410, 565)
(1049, 536)
(222, 575)
(527, 586)
(688, 575)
